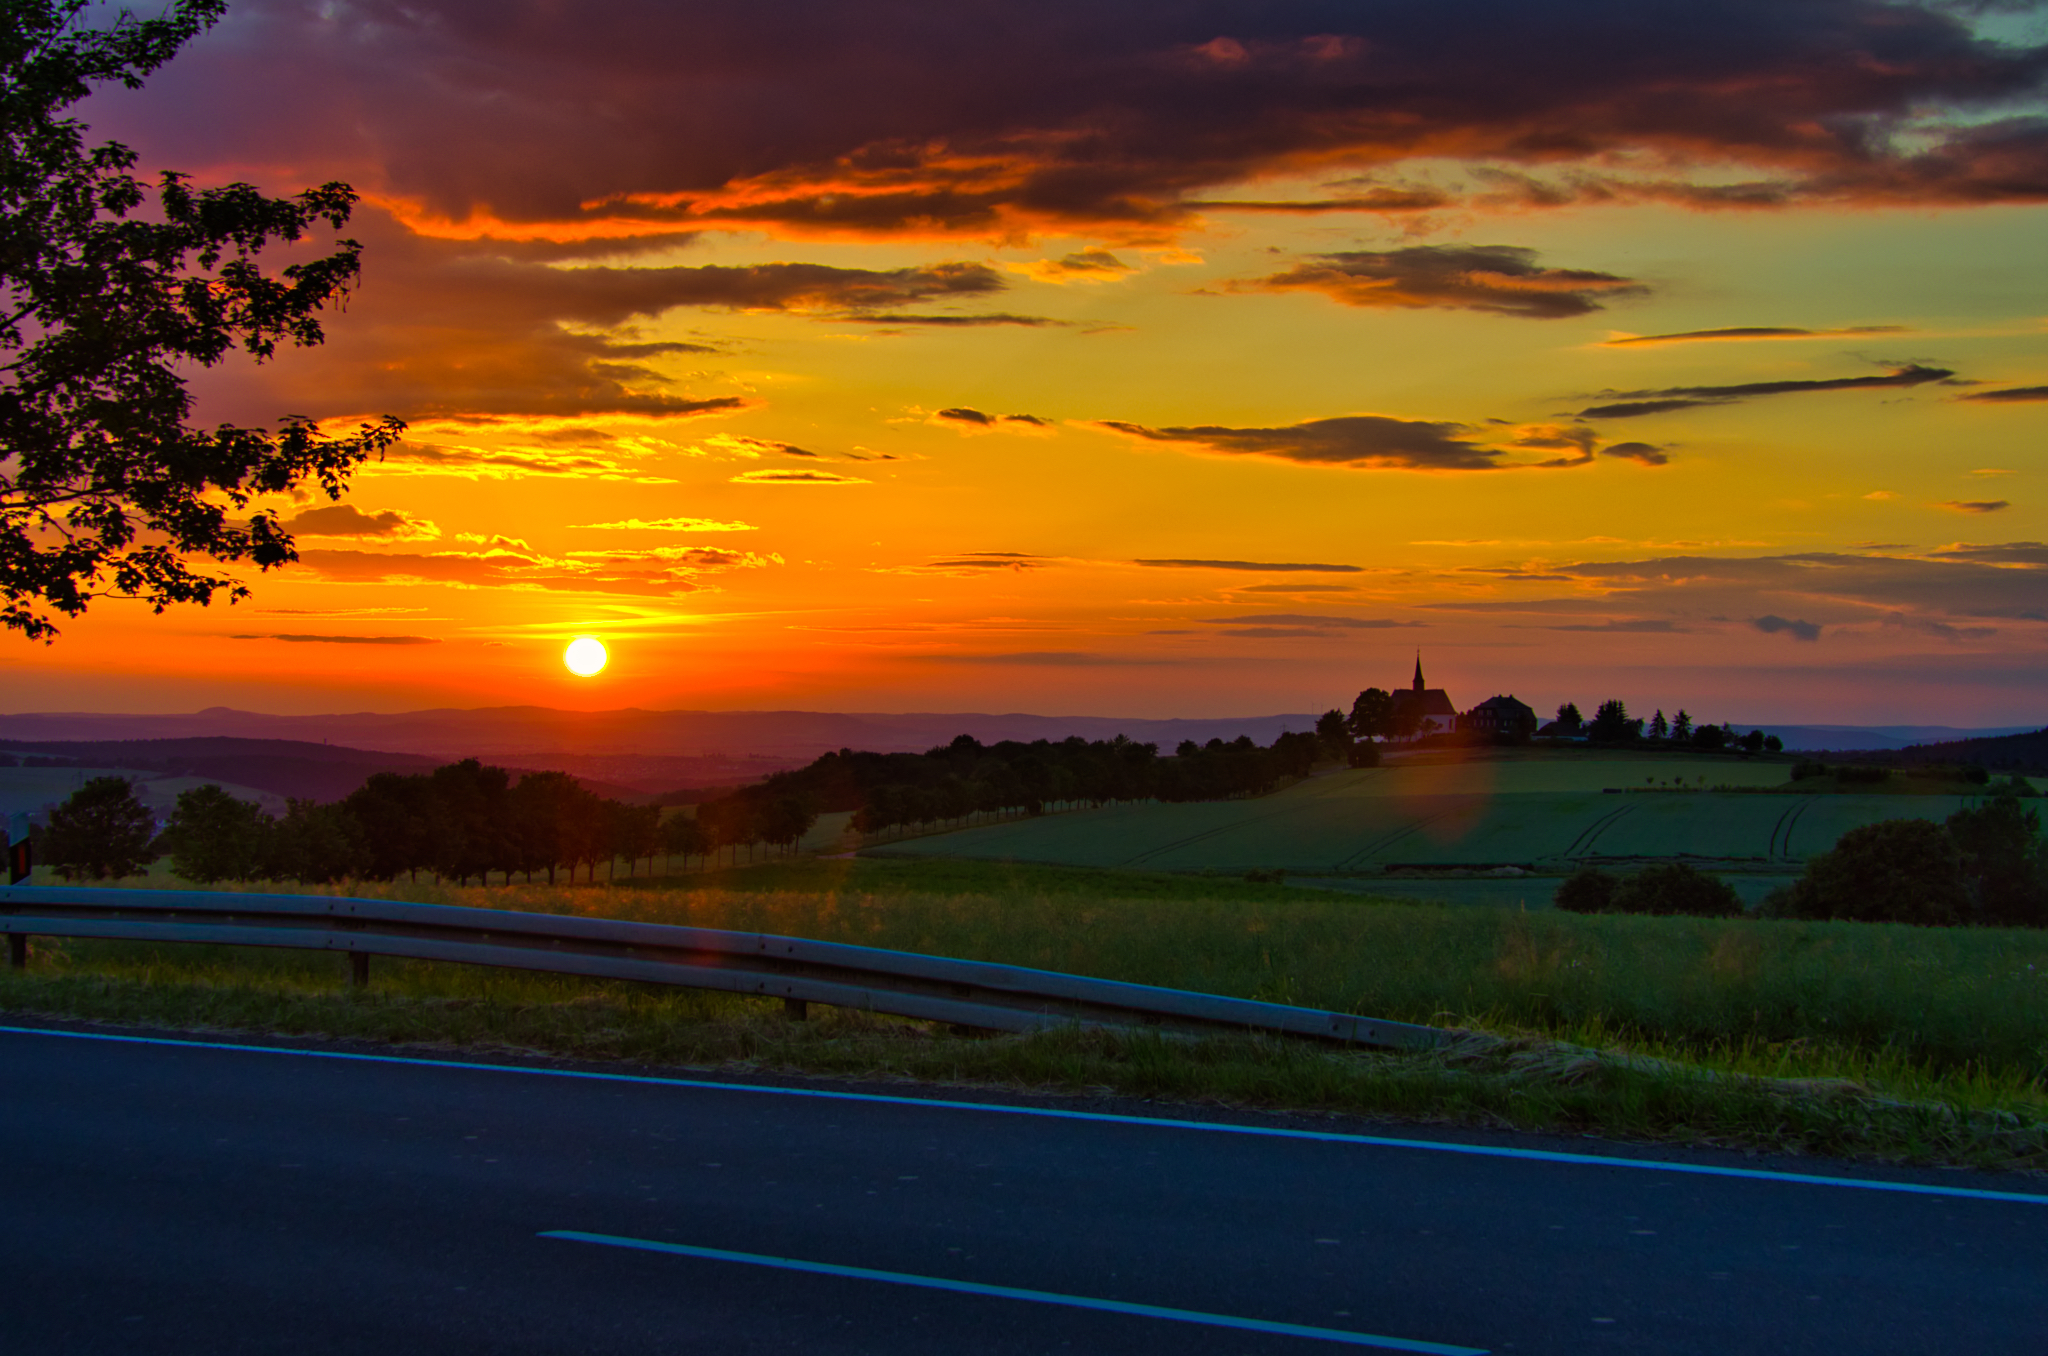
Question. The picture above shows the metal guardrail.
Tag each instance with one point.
(974, 994)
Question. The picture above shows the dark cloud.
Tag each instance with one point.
(1317, 620)
(1262, 566)
(1051, 659)
(1280, 632)
(1798, 630)
(2011, 395)
(1654, 626)
(967, 419)
(1976, 505)
(1379, 442)
(1383, 199)
(1927, 626)
(660, 572)
(413, 457)
(346, 640)
(954, 321)
(346, 520)
(1293, 588)
(1852, 583)
(867, 117)
(985, 562)
(1503, 279)
(1747, 332)
(456, 328)
(1670, 398)
(2006, 553)
(1649, 454)
(795, 478)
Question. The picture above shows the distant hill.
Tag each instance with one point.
(649, 750)
(2026, 752)
(1840, 738)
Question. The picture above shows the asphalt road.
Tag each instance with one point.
(167, 1197)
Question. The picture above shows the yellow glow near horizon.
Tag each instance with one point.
(585, 656)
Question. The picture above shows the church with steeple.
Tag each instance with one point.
(1425, 709)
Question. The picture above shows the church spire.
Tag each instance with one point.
(1418, 671)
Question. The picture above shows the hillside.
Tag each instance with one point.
(2003, 753)
(633, 745)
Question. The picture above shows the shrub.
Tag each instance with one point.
(1588, 890)
(1803, 770)
(1364, 753)
(2002, 864)
(1897, 871)
(1863, 776)
(1676, 888)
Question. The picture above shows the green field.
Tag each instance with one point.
(1545, 815)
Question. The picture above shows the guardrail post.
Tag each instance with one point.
(796, 1009)
(359, 969)
(17, 950)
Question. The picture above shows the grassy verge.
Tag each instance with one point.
(1837, 1038)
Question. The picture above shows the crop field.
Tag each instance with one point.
(1544, 816)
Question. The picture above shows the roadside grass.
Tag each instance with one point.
(1832, 1038)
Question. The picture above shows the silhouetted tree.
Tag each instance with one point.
(213, 836)
(398, 821)
(682, 836)
(1372, 714)
(114, 292)
(1612, 725)
(1335, 733)
(313, 844)
(1896, 871)
(102, 830)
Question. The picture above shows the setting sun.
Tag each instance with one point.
(585, 656)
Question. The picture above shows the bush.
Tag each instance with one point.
(1862, 776)
(1675, 888)
(1667, 888)
(1587, 890)
(2002, 863)
(1897, 871)
(1803, 770)
(1364, 753)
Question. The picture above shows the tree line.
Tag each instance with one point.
(471, 821)
(967, 781)
(460, 822)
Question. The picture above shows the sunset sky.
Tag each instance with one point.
(1160, 359)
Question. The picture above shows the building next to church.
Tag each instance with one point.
(1425, 710)
(1500, 717)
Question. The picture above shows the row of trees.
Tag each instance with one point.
(459, 822)
(468, 821)
(967, 781)
(1612, 724)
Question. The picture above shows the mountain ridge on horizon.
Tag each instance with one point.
(753, 736)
